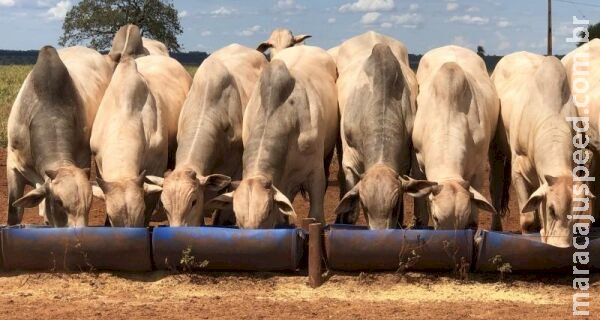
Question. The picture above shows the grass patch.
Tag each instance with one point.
(11, 79)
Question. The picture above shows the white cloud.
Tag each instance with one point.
(7, 3)
(368, 5)
(182, 14)
(370, 17)
(413, 6)
(503, 42)
(222, 11)
(472, 9)
(288, 5)
(451, 6)
(468, 19)
(331, 20)
(206, 33)
(408, 20)
(386, 25)
(463, 42)
(503, 23)
(59, 11)
(250, 31)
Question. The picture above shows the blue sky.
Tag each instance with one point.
(501, 26)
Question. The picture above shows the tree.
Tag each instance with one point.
(480, 51)
(594, 31)
(97, 21)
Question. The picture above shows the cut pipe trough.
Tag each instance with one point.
(43, 248)
(221, 248)
(527, 253)
(354, 248)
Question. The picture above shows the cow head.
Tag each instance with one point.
(452, 205)
(379, 193)
(553, 201)
(67, 194)
(124, 200)
(183, 194)
(257, 204)
(281, 39)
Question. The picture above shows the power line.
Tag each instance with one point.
(579, 3)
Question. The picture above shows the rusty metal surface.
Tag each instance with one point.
(76, 249)
(354, 248)
(527, 253)
(219, 248)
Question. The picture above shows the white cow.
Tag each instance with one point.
(583, 63)
(376, 93)
(128, 42)
(455, 123)
(48, 135)
(210, 133)
(281, 39)
(535, 99)
(134, 132)
(289, 132)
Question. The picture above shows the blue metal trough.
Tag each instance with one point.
(76, 249)
(527, 253)
(354, 248)
(222, 248)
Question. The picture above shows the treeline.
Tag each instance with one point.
(193, 58)
(10, 57)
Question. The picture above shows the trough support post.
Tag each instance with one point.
(315, 255)
(306, 222)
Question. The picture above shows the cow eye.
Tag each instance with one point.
(58, 202)
(194, 203)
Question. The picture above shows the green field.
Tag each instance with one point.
(11, 78)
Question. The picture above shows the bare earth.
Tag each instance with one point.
(284, 296)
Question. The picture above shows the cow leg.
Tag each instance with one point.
(16, 187)
(523, 190)
(421, 206)
(316, 194)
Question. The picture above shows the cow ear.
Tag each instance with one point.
(51, 174)
(220, 202)
(283, 203)
(32, 198)
(481, 202)
(150, 188)
(301, 37)
(347, 210)
(417, 188)
(97, 191)
(158, 181)
(264, 46)
(215, 182)
(535, 199)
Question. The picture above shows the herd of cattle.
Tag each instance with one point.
(252, 130)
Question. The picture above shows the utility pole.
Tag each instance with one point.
(549, 27)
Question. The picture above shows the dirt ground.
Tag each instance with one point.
(277, 296)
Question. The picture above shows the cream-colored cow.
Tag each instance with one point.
(48, 135)
(455, 123)
(584, 62)
(210, 134)
(281, 39)
(289, 132)
(535, 100)
(134, 131)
